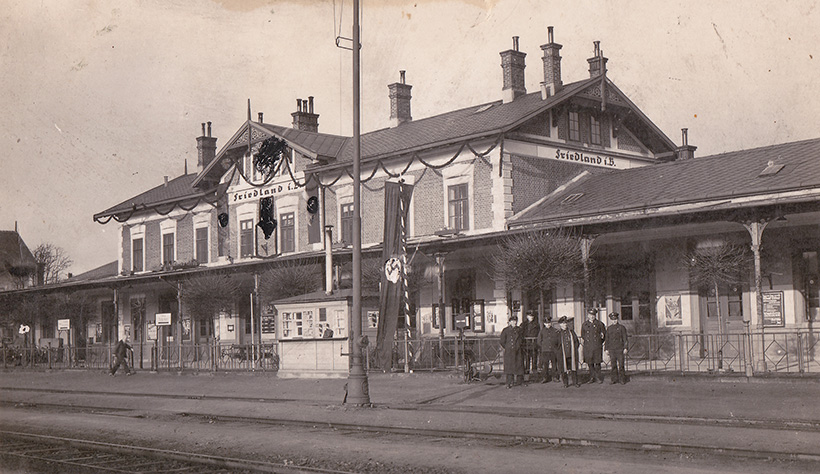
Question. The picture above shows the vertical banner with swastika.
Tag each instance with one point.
(392, 299)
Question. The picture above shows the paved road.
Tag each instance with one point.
(682, 424)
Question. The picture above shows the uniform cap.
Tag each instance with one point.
(513, 318)
(613, 316)
(592, 311)
(563, 319)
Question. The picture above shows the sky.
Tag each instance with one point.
(101, 100)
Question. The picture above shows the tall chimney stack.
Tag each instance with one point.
(685, 151)
(512, 65)
(205, 148)
(399, 101)
(304, 118)
(597, 63)
(552, 66)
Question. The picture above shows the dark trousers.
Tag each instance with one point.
(618, 372)
(120, 360)
(549, 365)
(595, 372)
(565, 376)
(531, 360)
(513, 379)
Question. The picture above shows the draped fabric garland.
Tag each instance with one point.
(166, 208)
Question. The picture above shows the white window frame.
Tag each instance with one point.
(138, 232)
(454, 175)
(168, 226)
(247, 211)
(344, 196)
(285, 205)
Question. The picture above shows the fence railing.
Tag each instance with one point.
(795, 352)
(203, 356)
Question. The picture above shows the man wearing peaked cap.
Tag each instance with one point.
(568, 345)
(512, 340)
(593, 332)
(548, 339)
(616, 343)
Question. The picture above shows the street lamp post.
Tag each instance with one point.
(358, 392)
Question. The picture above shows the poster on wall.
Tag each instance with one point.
(152, 332)
(773, 309)
(126, 329)
(672, 310)
(186, 329)
(478, 315)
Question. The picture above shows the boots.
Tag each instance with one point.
(575, 379)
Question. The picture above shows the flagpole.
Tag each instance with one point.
(358, 392)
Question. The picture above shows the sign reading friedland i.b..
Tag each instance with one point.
(582, 157)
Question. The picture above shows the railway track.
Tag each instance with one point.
(29, 452)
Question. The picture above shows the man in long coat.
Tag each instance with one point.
(616, 344)
(548, 344)
(593, 332)
(568, 342)
(512, 340)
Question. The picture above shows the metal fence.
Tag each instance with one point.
(156, 357)
(783, 352)
(796, 352)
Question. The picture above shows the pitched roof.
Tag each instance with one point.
(772, 169)
(13, 251)
(104, 271)
(176, 190)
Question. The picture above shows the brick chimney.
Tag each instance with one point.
(399, 102)
(304, 118)
(552, 67)
(685, 151)
(205, 149)
(512, 63)
(597, 63)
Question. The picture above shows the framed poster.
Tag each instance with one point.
(438, 317)
(773, 309)
(672, 310)
(268, 324)
(477, 314)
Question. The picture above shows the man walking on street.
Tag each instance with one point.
(512, 340)
(616, 344)
(530, 329)
(121, 354)
(569, 353)
(593, 332)
(548, 341)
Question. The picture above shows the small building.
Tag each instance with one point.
(301, 323)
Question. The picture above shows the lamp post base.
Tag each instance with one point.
(358, 391)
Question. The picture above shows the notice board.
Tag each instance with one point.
(773, 309)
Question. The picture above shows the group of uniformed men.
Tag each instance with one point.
(558, 349)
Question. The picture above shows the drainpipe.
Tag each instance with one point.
(328, 259)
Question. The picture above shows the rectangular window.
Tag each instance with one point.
(347, 223)
(167, 248)
(202, 245)
(459, 207)
(595, 129)
(626, 306)
(136, 255)
(246, 238)
(287, 232)
(574, 127)
(341, 323)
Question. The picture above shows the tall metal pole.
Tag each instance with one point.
(358, 392)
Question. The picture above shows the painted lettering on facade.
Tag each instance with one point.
(584, 158)
(261, 192)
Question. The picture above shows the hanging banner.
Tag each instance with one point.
(394, 271)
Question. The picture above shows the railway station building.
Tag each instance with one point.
(576, 156)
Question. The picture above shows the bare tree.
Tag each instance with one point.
(53, 261)
(205, 296)
(290, 279)
(711, 267)
(539, 261)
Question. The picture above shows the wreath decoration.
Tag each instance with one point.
(268, 159)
